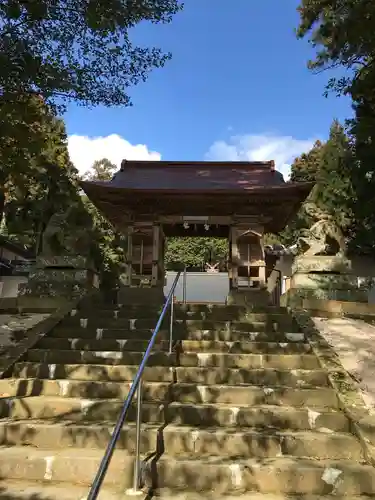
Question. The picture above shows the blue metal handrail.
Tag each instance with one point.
(103, 467)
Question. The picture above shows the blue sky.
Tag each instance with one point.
(236, 88)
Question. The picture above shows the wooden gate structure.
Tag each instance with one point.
(151, 200)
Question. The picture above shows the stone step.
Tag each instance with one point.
(263, 376)
(180, 441)
(234, 347)
(72, 466)
(167, 494)
(27, 490)
(280, 475)
(182, 392)
(249, 361)
(212, 335)
(47, 490)
(215, 314)
(223, 360)
(206, 308)
(99, 357)
(200, 415)
(93, 372)
(179, 325)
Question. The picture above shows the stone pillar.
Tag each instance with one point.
(63, 278)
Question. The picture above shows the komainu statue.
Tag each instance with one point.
(324, 237)
(68, 233)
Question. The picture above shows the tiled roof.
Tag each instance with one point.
(195, 176)
(196, 188)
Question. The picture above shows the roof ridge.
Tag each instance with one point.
(194, 164)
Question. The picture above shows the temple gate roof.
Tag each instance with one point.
(200, 188)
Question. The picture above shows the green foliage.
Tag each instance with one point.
(78, 50)
(334, 191)
(27, 128)
(343, 34)
(101, 170)
(305, 167)
(363, 178)
(271, 239)
(330, 165)
(108, 247)
(36, 172)
(194, 252)
(47, 184)
(55, 51)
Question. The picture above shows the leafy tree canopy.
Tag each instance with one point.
(306, 166)
(330, 165)
(101, 170)
(36, 172)
(343, 35)
(80, 50)
(195, 251)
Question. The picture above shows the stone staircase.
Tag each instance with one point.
(242, 407)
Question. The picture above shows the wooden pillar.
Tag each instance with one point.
(233, 258)
(262, 269)
(157, 278)
(129, 256)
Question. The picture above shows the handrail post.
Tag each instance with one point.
(184, 286)
(137, 463)
(171, 326)
(104, 464)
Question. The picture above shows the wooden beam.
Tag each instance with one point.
(272, 213)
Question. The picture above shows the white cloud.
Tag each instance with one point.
(282, 149)
(85, 150)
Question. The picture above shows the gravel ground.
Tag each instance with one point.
(354, 342)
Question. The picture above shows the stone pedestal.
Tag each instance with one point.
(323, 277)
(64, 278)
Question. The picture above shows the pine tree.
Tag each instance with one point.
(330, 165)
(343, 34)
(334, 191)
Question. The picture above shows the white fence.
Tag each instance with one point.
(200, 287)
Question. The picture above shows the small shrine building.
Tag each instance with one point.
(241, 201)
